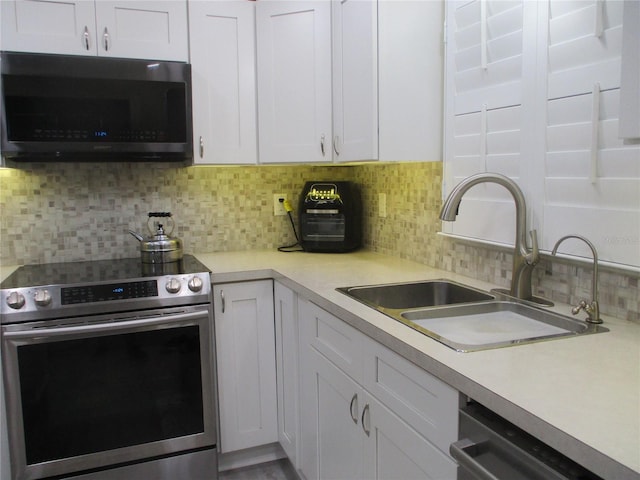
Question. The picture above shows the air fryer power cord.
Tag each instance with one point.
(291, 248)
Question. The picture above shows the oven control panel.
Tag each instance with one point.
(108, 292)
(57, 301)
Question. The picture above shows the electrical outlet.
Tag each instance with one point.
(382, 205)
(278, 204)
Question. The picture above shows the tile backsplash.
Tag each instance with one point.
(66, 212)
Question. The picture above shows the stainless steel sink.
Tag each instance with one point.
(494, 324)
(431, 293)
(467, 319)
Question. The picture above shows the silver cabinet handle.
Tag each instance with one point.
(105, 39)
(85, 38)
(223, 301)
(365, 411)
(322, 144)
(201, 147)
(463, 450)
(336, 141)
(354, 400)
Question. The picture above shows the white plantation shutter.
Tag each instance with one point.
(486, 47)
(605, 207)
(487, 141)
(550, 121)
(592, 178)
(486, 40)
(585, 45)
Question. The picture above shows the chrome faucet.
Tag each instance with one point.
(592, 309)
(524, 260)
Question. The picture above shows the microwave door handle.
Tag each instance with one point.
(103, 327)
(462, 451)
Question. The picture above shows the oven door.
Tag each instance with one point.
(88, 393)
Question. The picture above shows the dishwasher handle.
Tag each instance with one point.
(464, 451)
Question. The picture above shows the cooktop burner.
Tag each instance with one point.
(96, 271)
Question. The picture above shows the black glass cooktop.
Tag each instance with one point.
(96, 271)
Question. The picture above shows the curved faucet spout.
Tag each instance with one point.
(593, 308)
(524, 260)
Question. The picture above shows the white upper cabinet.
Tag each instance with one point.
(294, 81)
(410, 60)
(128, 29)
(317, 81)
(355, 80)
(222, 39)
(49, 26)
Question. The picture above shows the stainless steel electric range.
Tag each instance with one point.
(108, 370)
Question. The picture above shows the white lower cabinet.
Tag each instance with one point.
(286, 328)
(333, 441)
(348, 433)
(246, 366)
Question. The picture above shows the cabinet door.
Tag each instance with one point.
(245, 352)
(294, 80)
(421, 400)
(223, 71)
(410, 80)
(142, 29)
(333, 438)
(355, 80)
(339, 342)
(286, 318)
(48, 26)
(394, 450)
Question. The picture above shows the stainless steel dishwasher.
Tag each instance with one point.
(491, 448)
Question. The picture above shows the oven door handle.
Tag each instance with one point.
(463, 451)
(104, 327)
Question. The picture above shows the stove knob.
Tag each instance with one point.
(195, 284)
(15, 300)
(173, 285)
(42, 298)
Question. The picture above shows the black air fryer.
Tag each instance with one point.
(330, 217)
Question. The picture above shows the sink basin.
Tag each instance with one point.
(431, 293)
(467, 319)
(494, 324)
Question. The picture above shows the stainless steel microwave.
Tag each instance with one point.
(75, 108)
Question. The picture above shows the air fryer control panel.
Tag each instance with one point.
(323, 192)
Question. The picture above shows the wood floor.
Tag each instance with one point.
(276, 470)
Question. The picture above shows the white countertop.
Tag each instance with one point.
(581, 395)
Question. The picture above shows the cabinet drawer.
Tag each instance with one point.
(339, 342)
(426, 403)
